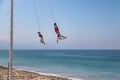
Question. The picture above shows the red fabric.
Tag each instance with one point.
(56, 30)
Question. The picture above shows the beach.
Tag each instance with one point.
(26, 75)
(71, 64)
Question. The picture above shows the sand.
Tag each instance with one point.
(26, 75)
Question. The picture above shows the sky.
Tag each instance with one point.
(88, 24)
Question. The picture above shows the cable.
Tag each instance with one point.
(51, 11)
(36, 13)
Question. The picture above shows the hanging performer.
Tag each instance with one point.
(59, 36)
(41, 38)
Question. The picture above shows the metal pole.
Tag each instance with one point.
(11, 42)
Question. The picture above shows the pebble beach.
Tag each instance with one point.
(26, 75)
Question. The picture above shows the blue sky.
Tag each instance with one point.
(88, 24)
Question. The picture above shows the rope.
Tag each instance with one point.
(36, 15)
(51, 11)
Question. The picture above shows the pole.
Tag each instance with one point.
(11, 42)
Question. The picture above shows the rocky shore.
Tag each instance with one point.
(26, 75)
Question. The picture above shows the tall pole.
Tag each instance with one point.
(11, 42)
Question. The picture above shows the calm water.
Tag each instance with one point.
(80, 64)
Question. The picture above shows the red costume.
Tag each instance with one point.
(59, 36)
(56, 29)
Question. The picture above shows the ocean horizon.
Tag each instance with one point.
(76, 64)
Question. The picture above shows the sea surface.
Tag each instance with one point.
(76, 64)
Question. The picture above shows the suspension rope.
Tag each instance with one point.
(36, 13)
(51, 11)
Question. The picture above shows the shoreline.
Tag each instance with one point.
(27, 75)
(48, 74)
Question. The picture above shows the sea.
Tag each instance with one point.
(73, 64)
